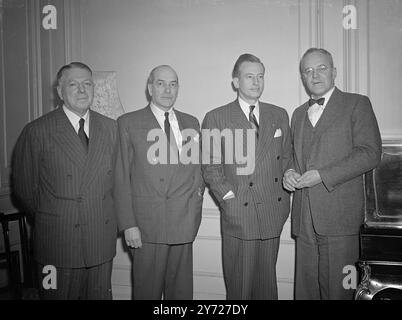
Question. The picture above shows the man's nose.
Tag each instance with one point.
(315, 73)
(167, 89)
(255, 81)
(81, 88)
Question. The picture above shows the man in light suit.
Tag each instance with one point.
(63, 175)
(254, 205)
(159, 200)
(336, 140)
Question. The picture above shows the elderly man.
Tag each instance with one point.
(159, 203)
(336, 140)
(254, 205)
(63, 175)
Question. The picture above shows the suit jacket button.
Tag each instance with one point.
(161, 180)
(76, 226)
(246, 204)
(251, 184)
(278, 157)
(107, 221)
(276, 179)
(279, 199)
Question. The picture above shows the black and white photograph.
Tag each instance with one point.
(206, 152)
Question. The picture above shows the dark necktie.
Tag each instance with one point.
(253, 120)
(82, 135)
(167, 126)
(318, 101)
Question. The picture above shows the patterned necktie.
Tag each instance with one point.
(82, 135)
(253, 120)
(315, 110)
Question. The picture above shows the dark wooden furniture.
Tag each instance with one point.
(381, 234)
(16, 258)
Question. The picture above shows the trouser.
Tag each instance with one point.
(162, 269)
(320, 262)
(249, 268)
(93, 283)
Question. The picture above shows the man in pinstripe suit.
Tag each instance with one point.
(254, 206)
(63, 175)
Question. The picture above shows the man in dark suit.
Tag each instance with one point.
(159, 199)
(253, 203)
(63, 175)
(336, 140)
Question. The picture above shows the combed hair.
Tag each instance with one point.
(72, 65)
(246, 57)
(319, 50)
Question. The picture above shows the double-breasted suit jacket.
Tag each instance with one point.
(163, 200)
(346, 144)
(68, 191)
(261, 205)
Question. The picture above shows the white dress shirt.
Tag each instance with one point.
(315, 111)
(75, 120)
(174, 124)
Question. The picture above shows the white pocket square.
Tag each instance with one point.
(197, 138)
(278, 133)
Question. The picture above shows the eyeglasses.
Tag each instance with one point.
(322, 69)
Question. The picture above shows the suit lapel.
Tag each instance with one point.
(161, 170)
(266, 131)
(298, 135)
(68, 140)
(98, 147)
(332, 111)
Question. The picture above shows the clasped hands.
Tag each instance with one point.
(293, 180)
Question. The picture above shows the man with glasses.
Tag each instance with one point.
(336, 140)
(63, 176)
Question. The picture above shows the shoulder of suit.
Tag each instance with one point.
(351, 96)
(187, 115)
(136, 115)
(103, 119)
(227, 108)
(273, 108)
(43, 121)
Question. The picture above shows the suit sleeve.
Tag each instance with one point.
(213, 167)
(25, 169)
(366, 152)
(122, 184)
(287, 144)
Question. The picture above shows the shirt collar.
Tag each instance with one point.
(245, 106)
(74, 118)
(159, 112)
(327, 96)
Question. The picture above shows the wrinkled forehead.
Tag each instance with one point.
(316, 59)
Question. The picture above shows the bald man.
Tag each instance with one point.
(159, 199)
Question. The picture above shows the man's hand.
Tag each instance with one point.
(309, 179)
(290, 180)
(133, 237)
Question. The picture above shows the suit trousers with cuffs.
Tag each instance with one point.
(91, 283)
(250, 268)
(320, 261)
(163, 270)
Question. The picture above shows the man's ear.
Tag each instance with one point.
(149, 86)
(235, 82)
(334, 73)
(59, 92)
